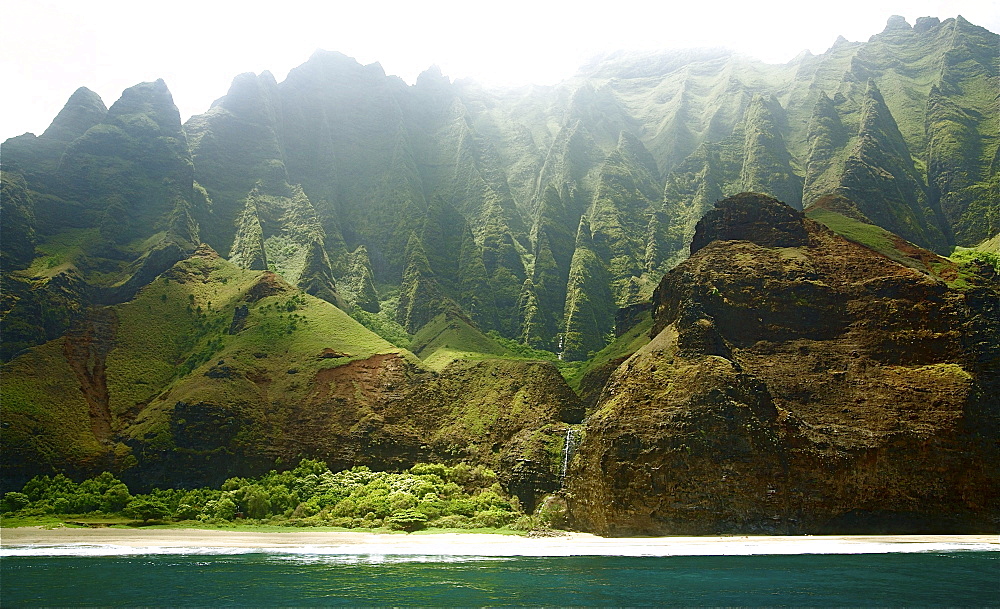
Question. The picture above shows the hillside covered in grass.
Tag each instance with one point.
(680, 291)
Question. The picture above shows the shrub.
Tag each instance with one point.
(465, 507)
(453, 521)
(115, 498)
(436, 469)
(493, 519)
(15, 501)
(258, 504)
(407, 520)
(146, 509)
(186, 511)
(429, 493)
(61, 506)
(552, 512)
(225, 509)
(525, 523)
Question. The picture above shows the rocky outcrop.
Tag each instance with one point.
(18, 229)
(280, 230)
(797, 382)
(385, 411)
(880, 176)
(358, 284)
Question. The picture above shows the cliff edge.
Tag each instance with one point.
(798, 382)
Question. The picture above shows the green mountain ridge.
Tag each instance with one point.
(344, 267)
(905, 124)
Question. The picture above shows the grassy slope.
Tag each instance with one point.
(167, 338)
(44, 412)
(623, 346)
(884, 242)
(869, 235)
(283, 336)
(990, 245)
(449, 337)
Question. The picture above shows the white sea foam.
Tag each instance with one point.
(434, 552)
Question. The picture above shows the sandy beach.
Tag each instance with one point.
(33, 540)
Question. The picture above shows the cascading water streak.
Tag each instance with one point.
(568, 448)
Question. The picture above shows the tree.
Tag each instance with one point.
(258, 503)
(407, 520)
(146, 509)
(14, 501)
(115, 498)
(225, 509)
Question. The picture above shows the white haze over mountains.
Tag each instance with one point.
(49, 48)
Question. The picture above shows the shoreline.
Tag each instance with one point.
(36, 541)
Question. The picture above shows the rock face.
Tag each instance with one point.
(793, 379)
(540, 211)
(797, 382)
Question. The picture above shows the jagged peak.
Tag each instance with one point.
(876, 118)
(248, 95)
(322, 56)
(583, 232)
(801, 56)
(152, 99)
(416, 257)
(322, 65)
(250, 80)
(763, 104)
(838, 43)
(825, 110)
(83, 110)
(375, 69)
(897, 23)
(926, 23)
(765, 114)
(631, 146)
(873, 92)
(824, 99)
(432, 77)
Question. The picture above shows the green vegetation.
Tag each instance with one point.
(885, 243)
(18, 229)
(449, 337)
(493, 234)
(310, 495)
(380, 323)
(867, 234)
(966, 255)
(464, 199)
(623, 346)
(971, 261)
(520, 350)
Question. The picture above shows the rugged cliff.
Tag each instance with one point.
(539, 211)
(410, 266)
(213, 371)
(798, 382)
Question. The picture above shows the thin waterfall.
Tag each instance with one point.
(569, 445)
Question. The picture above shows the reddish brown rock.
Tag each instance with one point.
(798, 382)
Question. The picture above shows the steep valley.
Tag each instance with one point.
(678, 293)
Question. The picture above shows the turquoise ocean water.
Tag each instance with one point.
(302, 579)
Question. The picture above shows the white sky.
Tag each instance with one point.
(49, 48)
